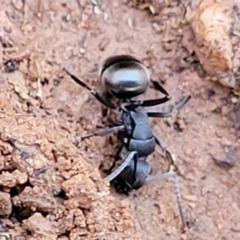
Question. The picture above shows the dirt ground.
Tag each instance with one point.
(50, 185)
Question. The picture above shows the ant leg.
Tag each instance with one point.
(108, 97)
(135, 166)
(105, 131)
(168, 156)
(174, 110)
(145, 103)
(118, 170)
(171, 173)
(152, 102)
(159, 88)
(92, 91)
(153, 179)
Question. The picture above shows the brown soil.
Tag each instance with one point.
(50, 185)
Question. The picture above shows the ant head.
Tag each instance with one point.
(124, 76)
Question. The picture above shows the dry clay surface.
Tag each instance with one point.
(50, 185)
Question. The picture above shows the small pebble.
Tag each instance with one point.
(190, 198)
(97, 10)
